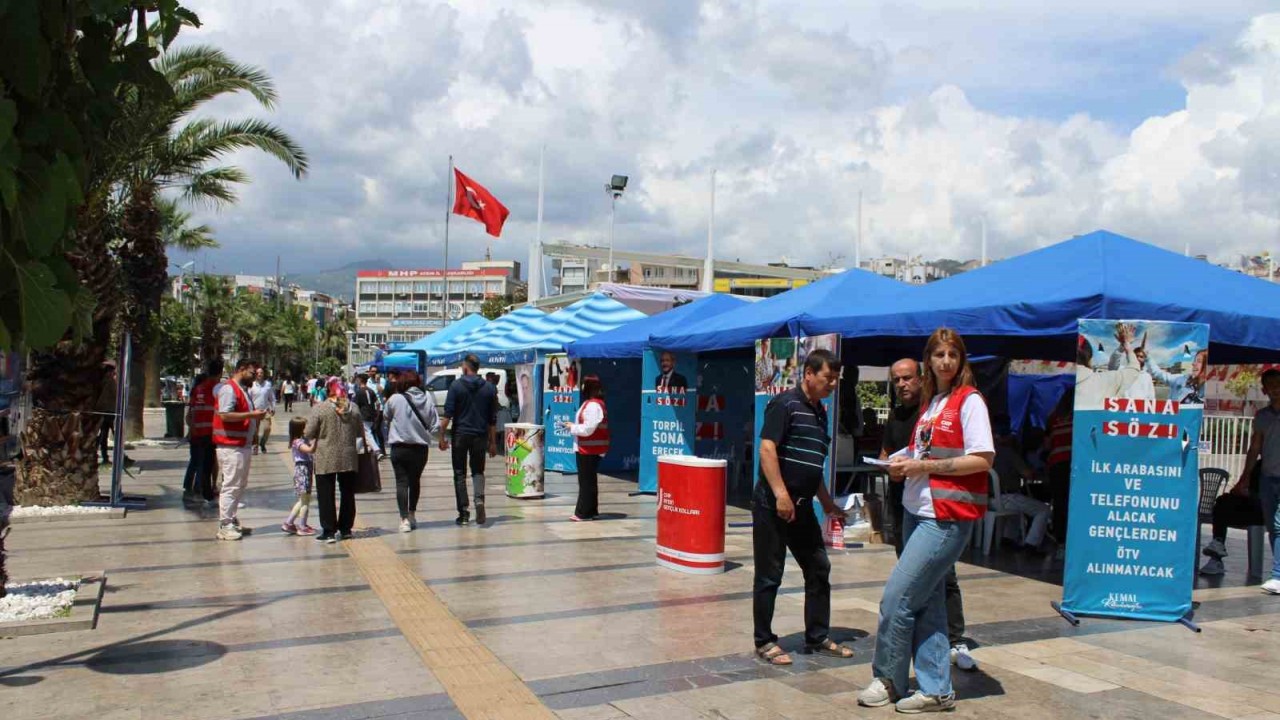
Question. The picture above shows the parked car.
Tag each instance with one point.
(438, 384)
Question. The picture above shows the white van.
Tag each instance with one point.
(438, 385)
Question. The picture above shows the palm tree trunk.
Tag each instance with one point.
(59, 464)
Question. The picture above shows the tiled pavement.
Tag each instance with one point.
(284, 627)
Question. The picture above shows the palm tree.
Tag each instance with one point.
(162, 147)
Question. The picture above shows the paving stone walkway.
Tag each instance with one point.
(531, 616)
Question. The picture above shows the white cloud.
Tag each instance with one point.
(799, 105)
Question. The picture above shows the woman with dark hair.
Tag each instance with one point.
(945, 468)
(590, 443)
(333, 429)
(412, 422)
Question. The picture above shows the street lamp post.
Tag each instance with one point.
(614, 188)
(350, 360)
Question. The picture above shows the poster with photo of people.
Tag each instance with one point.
(1135, 486)
(560, 395)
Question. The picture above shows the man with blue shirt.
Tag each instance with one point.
(794, 443)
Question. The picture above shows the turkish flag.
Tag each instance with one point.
(475, 202)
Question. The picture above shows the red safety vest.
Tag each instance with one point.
(203, 406)
(955, 497)
(1060, 440)
(229, 433)
(597, 443)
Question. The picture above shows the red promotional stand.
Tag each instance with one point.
(691, 514)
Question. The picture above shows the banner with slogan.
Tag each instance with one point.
(723, 430)
(669, 403)
(1135, 483)
(620, 378)
(561, 401)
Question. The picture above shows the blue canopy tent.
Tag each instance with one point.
(485, 333)
(521, 342)
(408, 357)
(779, 315)
(1027, 306)
(631, 339)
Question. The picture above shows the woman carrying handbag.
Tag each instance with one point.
(412, 421)
(334, 427)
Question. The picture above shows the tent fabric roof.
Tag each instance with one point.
(547, 333)
(1028, 306)
(404, 358)
(492, 329)
(630, 340)
(779, 314)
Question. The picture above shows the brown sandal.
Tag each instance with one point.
(831, 648)
(773, 654)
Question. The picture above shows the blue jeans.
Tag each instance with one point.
(913, 609)
(1269, 492)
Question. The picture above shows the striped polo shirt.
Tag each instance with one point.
(799, 429)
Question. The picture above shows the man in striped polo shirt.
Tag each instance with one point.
(794, 442)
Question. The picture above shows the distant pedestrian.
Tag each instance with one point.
(590, 443)
(105, 407)
(232, 434)
(472, 407)
(334, 427)
(311, 390)
(411, 423)
(304, 471)
(263, 394)
(288, 391)
(367, 402)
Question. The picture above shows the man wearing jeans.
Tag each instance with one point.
(1264, 447)
(793, 446)
(471, 412)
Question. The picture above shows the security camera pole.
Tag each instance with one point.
(615, 187)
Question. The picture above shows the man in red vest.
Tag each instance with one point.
(232, 431)
(200, 413)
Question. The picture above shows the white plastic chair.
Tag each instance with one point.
(994, 516)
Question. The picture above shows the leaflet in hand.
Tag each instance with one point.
(875, 461)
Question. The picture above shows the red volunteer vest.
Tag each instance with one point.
(597, 443)
(228, 433)
(955, 497)
(202, 408)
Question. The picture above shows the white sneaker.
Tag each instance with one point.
(921, 703)
(878, 694)
(961, 658)
(229, 532)
(1271, 586)
(1213, 566)
(1215, 549)
(405, 525)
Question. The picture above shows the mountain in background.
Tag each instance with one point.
(338, 282)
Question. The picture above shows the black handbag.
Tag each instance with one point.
(368, 476)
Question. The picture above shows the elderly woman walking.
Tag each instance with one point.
(333, 428)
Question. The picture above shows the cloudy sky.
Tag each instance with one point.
(1153, 119)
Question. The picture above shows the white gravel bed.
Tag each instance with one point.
(37, 600)
(22, 511)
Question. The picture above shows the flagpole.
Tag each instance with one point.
(448, 209)
(708, 265)
(535, 251)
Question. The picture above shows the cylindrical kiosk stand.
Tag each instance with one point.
(524, 460)
(691, 514)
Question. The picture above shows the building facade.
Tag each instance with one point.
(401, 306)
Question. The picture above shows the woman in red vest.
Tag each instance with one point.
(945, 469)
(590, 443)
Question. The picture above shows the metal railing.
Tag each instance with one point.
(1224, 440)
